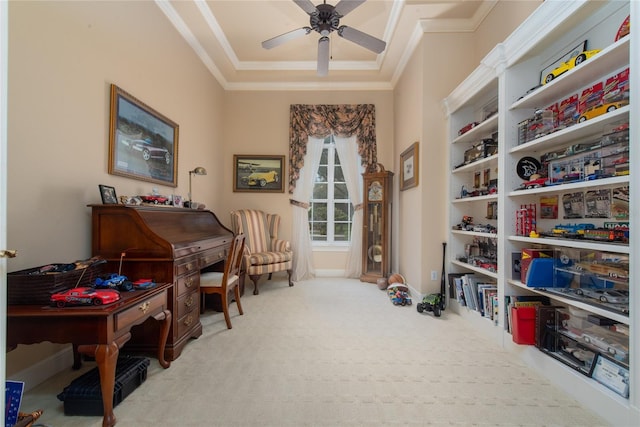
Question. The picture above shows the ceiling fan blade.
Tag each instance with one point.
(363, 39)
(282, 38)
(323, 56)
(346, 6)
(307, 6)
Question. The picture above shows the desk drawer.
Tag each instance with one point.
(187, 265)
(187, 302)
(140, 312)
(187, 322)
(213, 256)
(188, 283)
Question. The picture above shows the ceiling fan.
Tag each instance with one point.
(325, 19)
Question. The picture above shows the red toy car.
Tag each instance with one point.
(85, 296)
(156, 200)
(467, 128)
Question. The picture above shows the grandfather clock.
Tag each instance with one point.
(376, 233)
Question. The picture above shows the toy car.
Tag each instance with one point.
(615, 349)
(604, 295)
(113, 281)
(431, 302)
(399, 294)
(467, 128)
(162, 200)
(85, 296)
(600, 109)
(575, 60)
(262, 178)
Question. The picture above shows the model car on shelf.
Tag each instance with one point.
(155, 199)
(613, 348)
(604, 295)
(84, 296)
(598, 110)
(575, 60)
(261, 178)
(467, 128)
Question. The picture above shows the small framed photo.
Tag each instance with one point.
(409, 167)
(108, 195)
(258, 174)
(611, 375)
(176, 200)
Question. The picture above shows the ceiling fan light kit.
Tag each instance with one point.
(325, 19)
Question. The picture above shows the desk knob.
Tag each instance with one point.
(144, 306)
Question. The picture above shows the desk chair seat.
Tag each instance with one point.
(222, 283)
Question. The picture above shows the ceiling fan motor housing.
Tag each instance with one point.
(326, 20)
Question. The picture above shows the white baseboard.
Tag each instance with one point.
(44, 369)
(330, 273)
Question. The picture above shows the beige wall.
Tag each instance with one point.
(62, 58)
(258, 123)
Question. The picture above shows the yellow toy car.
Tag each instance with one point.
(262, 178)
(600, 109)
(576, 59)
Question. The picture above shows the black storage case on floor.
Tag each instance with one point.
(83, 395)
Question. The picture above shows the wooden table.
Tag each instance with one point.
(98, 331)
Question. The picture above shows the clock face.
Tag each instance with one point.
(375, 191)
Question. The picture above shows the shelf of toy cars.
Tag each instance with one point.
(593, 307)
(479, 132)
(485, 198)
(478, 165)
(620, 248)
(480, 270)
(576, 185)
(475, 233)
(610, 59)
(590, 128)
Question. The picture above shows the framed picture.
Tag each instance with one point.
(261, 174)
(409, 167)
(143, 144)
(108, 195)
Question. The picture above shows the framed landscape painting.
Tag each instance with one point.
(143, 144)
(260, 174)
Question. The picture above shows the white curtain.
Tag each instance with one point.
(347, 149)
(301, 241)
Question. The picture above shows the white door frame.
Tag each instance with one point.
(4, 70)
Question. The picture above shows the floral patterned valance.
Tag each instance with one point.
(321, 121)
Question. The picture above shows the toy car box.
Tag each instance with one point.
(36, 285)
(527, 256)
(83, 395)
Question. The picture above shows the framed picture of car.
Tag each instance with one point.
(143, 144)
(258, 173)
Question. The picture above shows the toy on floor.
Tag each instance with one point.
(398, 291)
(431, 302)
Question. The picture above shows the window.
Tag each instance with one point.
(331, 212)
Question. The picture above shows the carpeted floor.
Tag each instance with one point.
(332, 352)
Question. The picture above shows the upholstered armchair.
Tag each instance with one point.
(264, 253)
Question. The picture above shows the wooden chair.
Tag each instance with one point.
(264, 253)
(222, 283)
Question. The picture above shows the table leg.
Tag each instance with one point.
(77, 360)
(165, 318)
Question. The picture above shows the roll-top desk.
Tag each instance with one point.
(166, 244)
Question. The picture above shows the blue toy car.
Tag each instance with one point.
(113, 281)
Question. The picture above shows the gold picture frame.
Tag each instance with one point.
(258, 173)
(143, 144)
(409, 167)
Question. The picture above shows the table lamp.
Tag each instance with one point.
(197, 171)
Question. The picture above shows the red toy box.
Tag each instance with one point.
(523, 322)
